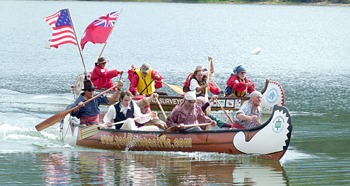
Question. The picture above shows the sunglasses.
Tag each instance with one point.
(191, 101)
(90, 90)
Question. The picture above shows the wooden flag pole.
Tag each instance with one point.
(81, 55)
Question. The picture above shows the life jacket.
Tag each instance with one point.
(229, 89)
(186, 86)
(144, 82)
(120, 116)
(244, 92)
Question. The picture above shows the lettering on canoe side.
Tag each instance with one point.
(130, 140)
(169, 101)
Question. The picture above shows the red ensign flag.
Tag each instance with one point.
(99, 30)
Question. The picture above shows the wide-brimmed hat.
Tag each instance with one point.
(101, 60)
(145, 68)
(88, 85)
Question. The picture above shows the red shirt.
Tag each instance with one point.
(102, 77)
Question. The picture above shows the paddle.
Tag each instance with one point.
(161, 108)
(120, 77)
(177, 127)
(175, 88)
(210, 60)
(216, 85)
(91, 130)
(59, 116)
(224, 111)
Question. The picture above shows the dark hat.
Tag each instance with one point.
(88, 85)
(238, 69)
(145, 68)
(101, 60)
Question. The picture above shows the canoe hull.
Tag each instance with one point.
(269, 141)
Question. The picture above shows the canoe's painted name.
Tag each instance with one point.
(131, 140)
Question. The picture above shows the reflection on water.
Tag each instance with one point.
(127, 168)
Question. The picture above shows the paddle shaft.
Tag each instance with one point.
(121, 122)
(215, 83)
(177, 127)
(161, 108)
(225, 111)
(59, 116)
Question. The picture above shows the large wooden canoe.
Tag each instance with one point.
(270, 140)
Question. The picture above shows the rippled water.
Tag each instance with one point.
(304, 48)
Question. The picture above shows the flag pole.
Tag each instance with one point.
(109, 35)
(81, 55)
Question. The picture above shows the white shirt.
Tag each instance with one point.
(111, 113)
(194, 83)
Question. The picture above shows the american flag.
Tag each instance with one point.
(63, 32)
(108, 20)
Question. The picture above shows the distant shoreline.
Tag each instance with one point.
(269, 2)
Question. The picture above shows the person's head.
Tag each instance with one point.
(101, 61)
(240, 71)
(144, 105)
(256, 98)
(88, 88)
(125, 98)
(145, 69)
(198, 74)
(201, 101)
(189, 99)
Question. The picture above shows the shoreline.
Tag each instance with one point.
(325, 3)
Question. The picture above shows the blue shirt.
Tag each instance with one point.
(91, 108)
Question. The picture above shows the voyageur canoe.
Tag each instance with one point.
(269, 141)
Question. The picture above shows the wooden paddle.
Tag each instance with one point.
(59, 116)
(216, 85)
(175, 88)
(225, 111)
(177, 127)
(92, 129)
(161, 108)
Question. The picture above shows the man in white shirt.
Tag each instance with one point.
(125, 110)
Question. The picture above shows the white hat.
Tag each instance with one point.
(191, 96)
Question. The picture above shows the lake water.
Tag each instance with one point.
(304, 48)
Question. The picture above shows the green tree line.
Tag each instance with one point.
(254, 1)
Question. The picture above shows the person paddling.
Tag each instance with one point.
(239, 84)
(89, 113)
(145, 80)
(101, 76)
(188, 113)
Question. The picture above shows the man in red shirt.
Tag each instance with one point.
(101, 77)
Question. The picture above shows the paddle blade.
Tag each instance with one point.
(175, 88)
(51, 120)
